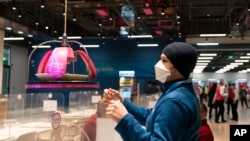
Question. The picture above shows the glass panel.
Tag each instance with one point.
(6, 79)
(42, 116)
(6, 55)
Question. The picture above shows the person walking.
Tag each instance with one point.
(233, 100)
(243, 96)
(219, 98)
(211, 105)
(176, 114)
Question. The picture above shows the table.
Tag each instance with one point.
(13, 132)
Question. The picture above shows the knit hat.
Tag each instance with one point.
(182, 55)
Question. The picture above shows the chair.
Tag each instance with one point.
(27, 137)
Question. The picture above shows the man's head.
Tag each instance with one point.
(203, 110)
(182, 58)
(222, 82)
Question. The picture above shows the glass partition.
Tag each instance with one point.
(42, 117)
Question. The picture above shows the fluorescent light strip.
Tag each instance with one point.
(42, 46)
(71, 37)
(203, 61)
(201, 58)
(13, 38)
(201, 64)
(207, 44)
(147, 45)
(237, 61)
(244, 57)
(90, 46)
(197, 70)
(213, 35)
(208, 54)
(140, 36)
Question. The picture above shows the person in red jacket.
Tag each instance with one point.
(205, 132)
(89, 126)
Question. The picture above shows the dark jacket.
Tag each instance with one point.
(175, 117)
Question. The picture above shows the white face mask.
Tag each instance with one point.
(161, 72)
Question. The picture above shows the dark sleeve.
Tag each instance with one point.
(139, 113)
(169, 123)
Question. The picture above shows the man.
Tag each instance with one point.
(233, 101)
(205, 132)
(176, 114)
(219, 98)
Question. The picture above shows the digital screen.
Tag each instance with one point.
(126, 91)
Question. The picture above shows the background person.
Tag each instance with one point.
(233, 99)
(211, 105)
(219, 98)
(89, 126)
(243, 96)
(175, 116)
(205, 132)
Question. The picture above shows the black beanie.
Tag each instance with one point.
(182, 55)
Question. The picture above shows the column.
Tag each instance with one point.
(1, 58)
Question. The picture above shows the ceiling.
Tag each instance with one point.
(94, 18)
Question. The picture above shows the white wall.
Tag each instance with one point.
(226, 76)
(18, 70)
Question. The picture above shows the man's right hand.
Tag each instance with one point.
(112, 94)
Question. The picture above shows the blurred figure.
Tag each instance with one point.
(243, 96)
(219, 98)
(211, 105)
(205, 132)
(152, 88)
(233, 101)
(89, 126)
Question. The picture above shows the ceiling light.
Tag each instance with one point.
(200, 58)
(71, 37)
(19, 14)
(13, 5)
(30, 35)
(243, 61)
(13, 38)
(208, 54)
(74, 17)
(20, 32)
(201, 64)
(8, 28)
(207, 44)
(90, 46)
(147, 45)
(140, 36)
(200, 67)
(42, 4)
(197, 70)
(203, 61)
(41, 46)
(244, 57)
(213, 35)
